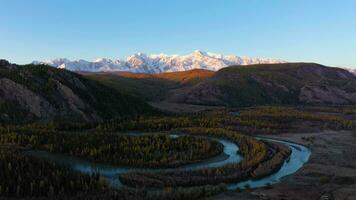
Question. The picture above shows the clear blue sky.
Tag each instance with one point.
(322, 31)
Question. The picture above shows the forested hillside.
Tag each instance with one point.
(151, 87)
(39, 92)
(235, 86)
(291, 83)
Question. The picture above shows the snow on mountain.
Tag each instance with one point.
(157, 63)
(351, 70)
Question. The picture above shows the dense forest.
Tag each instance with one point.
(24, 176)
(156, 150)
(264, 119)
(121, 142)
(260, 159)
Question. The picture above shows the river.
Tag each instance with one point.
(300, 155)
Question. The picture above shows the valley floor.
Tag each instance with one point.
(329, 174)
(182, 107)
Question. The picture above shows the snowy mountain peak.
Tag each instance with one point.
(157, 63)
(200, 53)
(103, 60)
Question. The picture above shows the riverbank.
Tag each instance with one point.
(330, 172)
(111, 172)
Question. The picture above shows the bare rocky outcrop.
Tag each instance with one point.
(291, 83)
(31, 93)
(321, 72)
(67, 106)
(26, 99)
(72, 104)
(326, 94)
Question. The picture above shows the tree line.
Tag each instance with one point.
(25, 176)
(153, 150)
(260, 159)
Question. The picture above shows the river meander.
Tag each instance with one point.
(300, 155)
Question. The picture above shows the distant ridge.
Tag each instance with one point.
(158, 63)
(32, 93)
(238, 86)
(352, 70)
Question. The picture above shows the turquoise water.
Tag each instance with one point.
(300, 155)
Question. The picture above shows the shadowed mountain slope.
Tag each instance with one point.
(38, 92)
(287, 83)
(293, 83)
(151, 87)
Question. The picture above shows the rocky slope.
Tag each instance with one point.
(151, 87)
(293, 83)
(38, 92)
(288, 83)
(142, 63)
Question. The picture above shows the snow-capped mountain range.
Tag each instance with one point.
(158, 63)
